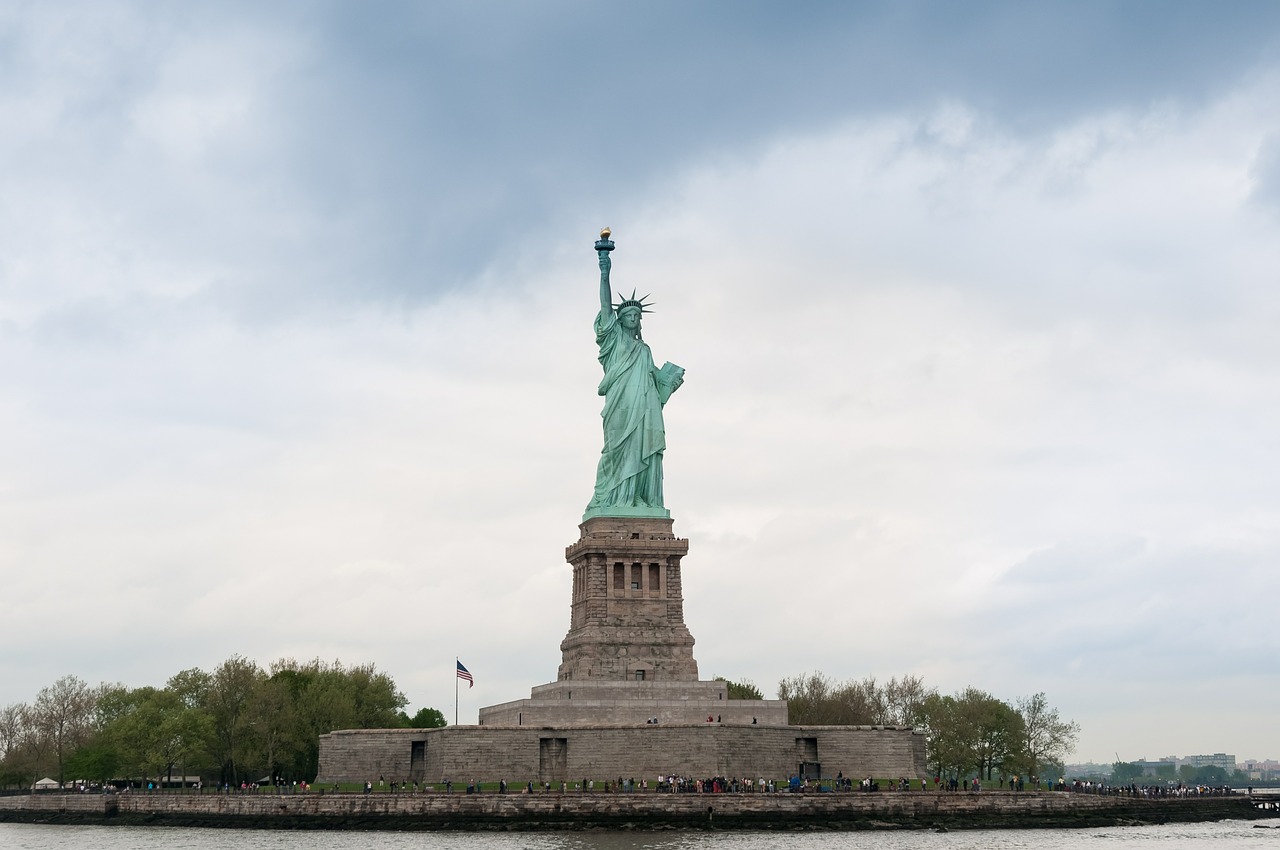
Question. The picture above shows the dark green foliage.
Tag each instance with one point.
(62, 719)
(813, 699)
(96, 762)
(971, 732)
(745, 689)
(1123, 773)
(236, 723)
(1047, 737)
(151, 733)
(426, 718)
(1210, 774)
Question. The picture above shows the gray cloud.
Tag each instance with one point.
(976, 303)
(1266, 173)
(302, 155)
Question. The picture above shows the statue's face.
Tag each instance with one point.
(629, 318)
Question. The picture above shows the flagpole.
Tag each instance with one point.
(456, 662)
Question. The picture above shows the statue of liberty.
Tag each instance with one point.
(629, 476)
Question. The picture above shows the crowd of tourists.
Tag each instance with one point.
(715, 785)
(1151, 791)
(121, 786)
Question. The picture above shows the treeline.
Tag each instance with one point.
(970, 733)
(235, 723)
(1125, 773)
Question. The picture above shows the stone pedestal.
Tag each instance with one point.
(627, 610)
(628, 657)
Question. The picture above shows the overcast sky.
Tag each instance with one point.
(978, 303)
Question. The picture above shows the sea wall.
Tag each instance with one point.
(538, 811)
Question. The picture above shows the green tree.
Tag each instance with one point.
(744, 689)
(810, 700)
(11, 729)
(236, 722)
(62, 717)
(1046, 736)
(273, 722)
(901, 701)
(18, 761)
(126, 736)
(971, 731)
(97, 761)
(375, 695)
(998, 732)
(815, 700)
(150, 732)
(330, 696)
(192, 691)
(1210, 774)
(227, 700)
(182, 734)
(191, 687)
(949, 735)
(1125, 773)
(426, 718)
(1051, 770)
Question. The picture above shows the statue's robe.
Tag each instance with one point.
(630, 469)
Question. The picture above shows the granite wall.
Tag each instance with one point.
(556, 753)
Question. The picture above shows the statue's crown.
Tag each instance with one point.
(639, 303)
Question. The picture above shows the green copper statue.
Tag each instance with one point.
(629, 477)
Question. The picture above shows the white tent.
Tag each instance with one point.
(47, 784)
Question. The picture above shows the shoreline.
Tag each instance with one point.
(640, 811)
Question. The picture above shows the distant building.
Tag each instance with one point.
(1263, 771)
(1153, 768)
(1222, 760)
(1168, 765)
(1088, 770)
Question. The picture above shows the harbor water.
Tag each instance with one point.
(1200, 836)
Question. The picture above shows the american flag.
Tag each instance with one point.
(465, 674)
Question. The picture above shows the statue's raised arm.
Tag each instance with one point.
(629, 475)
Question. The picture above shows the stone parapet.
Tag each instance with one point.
(588, 712)
(626, 531)
(605, 703)
(713, 691)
